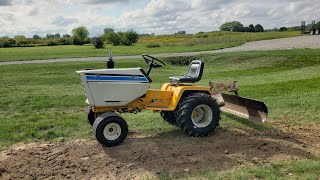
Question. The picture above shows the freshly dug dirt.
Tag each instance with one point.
(142, 157)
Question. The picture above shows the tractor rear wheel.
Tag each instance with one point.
(169, 116)
(110, 129)
(198, 114)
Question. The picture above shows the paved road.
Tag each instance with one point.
(299, 42)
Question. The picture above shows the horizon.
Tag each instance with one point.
(29, 17)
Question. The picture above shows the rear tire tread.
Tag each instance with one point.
(184, 114)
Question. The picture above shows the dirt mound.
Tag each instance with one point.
(145, 157)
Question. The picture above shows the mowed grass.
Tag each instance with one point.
(46, 102)
(302, 169)
(169, 44)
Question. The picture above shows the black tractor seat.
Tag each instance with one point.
(193, 75)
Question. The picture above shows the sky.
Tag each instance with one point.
(29, 17)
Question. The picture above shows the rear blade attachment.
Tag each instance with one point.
(243, 107)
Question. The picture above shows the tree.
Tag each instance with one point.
(246, 29)
(283, 29)
(57, 35)
(36, 37)
(258, 28)
(108, 30)
(5, 41)
(66, 35)
(20, 39)
(113, 38)
(79, 35)
(251, 28)
(130, 37)
(126, 38)
(232, 26)
(98, 42)
(50, 36)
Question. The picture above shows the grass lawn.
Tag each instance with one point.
(46, 101)
(303, 169)
(169, 44)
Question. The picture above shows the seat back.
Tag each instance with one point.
(195, 70)
(194, 73)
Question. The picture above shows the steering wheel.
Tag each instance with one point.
(152, 62)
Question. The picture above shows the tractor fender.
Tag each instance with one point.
(181, 91)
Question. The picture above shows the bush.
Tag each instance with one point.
(282, 29)
(66, 41)
(125, 38)
(130, 37)
(6, 42)
(77, 40)
(152, 45)
(21, 40)
(97, 42)
(112, 37)
(179, 60)
(51, 42)
(202, 35)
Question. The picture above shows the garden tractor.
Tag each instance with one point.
(195, 109)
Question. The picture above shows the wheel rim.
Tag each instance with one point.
(317, 31)
(311, 32)
(112, 131)
(201, 116)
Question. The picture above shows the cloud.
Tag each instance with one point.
(168, 16)
(33, 11)
(64, 21)
(147, 16)
(100, 1)
(5, 2)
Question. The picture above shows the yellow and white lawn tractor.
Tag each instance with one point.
(196, 109)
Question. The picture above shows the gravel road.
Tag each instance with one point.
(299, 42)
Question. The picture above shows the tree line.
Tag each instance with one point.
(80, 36)
(236, 26)
(109, 36)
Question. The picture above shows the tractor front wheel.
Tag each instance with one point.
(198, 114)
(110, 129)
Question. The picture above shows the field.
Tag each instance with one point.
(168, 44)
(44, 104)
